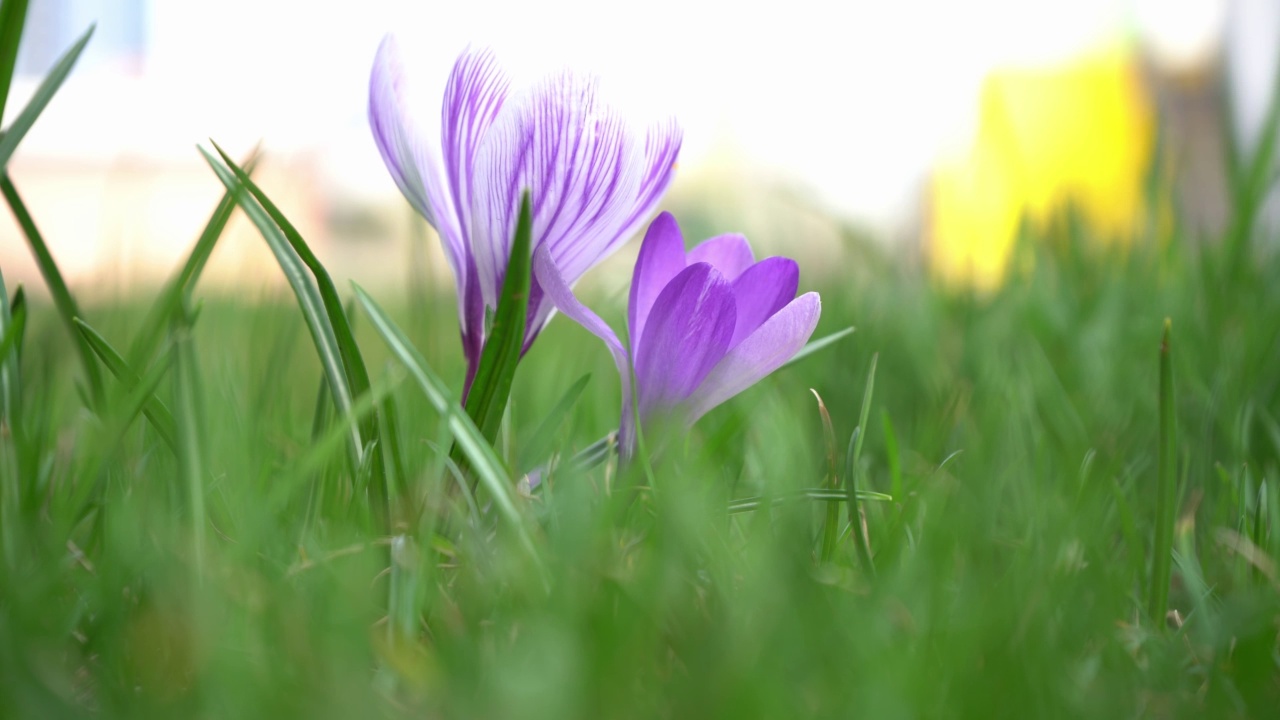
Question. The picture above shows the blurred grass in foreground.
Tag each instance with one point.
(1011, 581)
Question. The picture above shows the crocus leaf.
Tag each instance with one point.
(539, 445)
(154, 409)
(478, 451)
(13, 16)
(48, 87)
(180, 286)
(62, 299)
(814, 346)
(492, 386)
(356, 374)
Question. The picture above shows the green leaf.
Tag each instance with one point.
(1166, 489)
(13, 16)
(48, 87)
(538, 447)
(62, 298)
(13, 322)
(854, 453)
(814, 346)
(154, 409)
(748, 504)
(309, 300)
(484, 462)
(180, 287)
(487, 400)
(357, 376)
(190, 432)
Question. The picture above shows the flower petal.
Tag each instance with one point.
(762, 290)
(557, 291)
(661, 148)
(582, 166)
(661, 258)
(473, 98)
(411, 158)
(762, 352)
(686, 335)
(730, 254)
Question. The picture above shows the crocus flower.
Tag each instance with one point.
(593, 179)
(704, 325)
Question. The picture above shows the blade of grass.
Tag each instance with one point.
(748, 504)
(154, 409)
(857, 517)
(180, 286)
(13, 16)
(309, 301)
(44, 93)
(487, 399)
(190, 429)
(62, 298)
(357, 375)
(831, 527)
(539, 445)
(1166, 489)
(814, 346)
(484, 462)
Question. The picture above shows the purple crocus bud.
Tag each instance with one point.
(704, 325)
(592, 179)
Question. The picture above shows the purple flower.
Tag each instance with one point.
(592, 179)
(704, 325)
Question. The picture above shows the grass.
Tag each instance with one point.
(1013, 579)
(1082, 515)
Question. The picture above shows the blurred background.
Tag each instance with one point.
(931, 127)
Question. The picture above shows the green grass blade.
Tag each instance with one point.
(814, 346)
(13, 322)
(357, 375)
(501, 354)
(538, 448)
(48, 87)
(62, 299)
(180, 286)
(190, 428)
(857, 518)
(834, 497)
(831, 525)
(309, 301)
(1166, 489)
(13, 16)
(154, 409)
(484, 462)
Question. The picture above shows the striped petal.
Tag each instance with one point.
(412, 158)
(760, 353)
(589, 177)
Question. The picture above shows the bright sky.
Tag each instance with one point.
(852, 100)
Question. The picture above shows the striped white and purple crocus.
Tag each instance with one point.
(704, 325)
(592, 178)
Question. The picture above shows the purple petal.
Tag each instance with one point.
(661, 258)
(661, 148)
(473, 97)
(588, 174)
(762, 290)
(557, 292)
(686, 335)
(762, 352)
(412, 160)
(730, 254)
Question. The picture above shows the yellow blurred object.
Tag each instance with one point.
(1079, 134)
